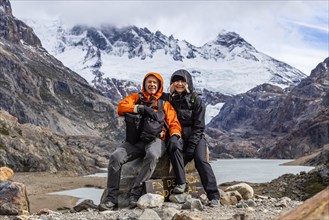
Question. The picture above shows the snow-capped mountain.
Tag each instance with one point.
(228, 64)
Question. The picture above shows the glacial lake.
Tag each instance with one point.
(226, 170)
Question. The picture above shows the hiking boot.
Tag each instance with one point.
(133, 201)
(180, 188)
(214, 203)
(107, 206)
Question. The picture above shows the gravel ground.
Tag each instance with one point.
(263, 209)
(40, 184)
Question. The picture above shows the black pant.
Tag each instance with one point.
(203, 167)
(126, 152)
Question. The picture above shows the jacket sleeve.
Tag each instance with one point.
(127, 104)
(198, 123)
(172, 120)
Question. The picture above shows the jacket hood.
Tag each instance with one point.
(158, 94)
(186, 75)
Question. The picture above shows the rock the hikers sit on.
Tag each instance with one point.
(146, 115)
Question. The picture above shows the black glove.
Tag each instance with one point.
(189, 154)
(174, 143)
(145, 110)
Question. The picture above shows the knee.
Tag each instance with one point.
(152, 158)
(176, 152)
(199, 159)
(115, 161)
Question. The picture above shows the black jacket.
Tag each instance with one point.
(191, 117)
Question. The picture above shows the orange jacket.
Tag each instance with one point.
(128, 105)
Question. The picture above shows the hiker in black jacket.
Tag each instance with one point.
(191, 115)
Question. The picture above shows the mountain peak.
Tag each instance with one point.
(5, 7)
(229, 39)
(15, 30)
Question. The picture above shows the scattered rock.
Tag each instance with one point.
(150, 200)
(149, 214)
(6, 173)
(246, 191)
(85, 205)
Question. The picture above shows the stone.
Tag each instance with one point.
(85, 205)
(13, 200)
(196, 204)
(43, 211)
(6, 173)
(179, 198)
(150, 200)
(169, 213)
(235, 193)
(246, 191)
(185, 216)
(149, 214)
(204, 199)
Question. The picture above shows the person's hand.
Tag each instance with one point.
(140, 109)
(189, 154)
(174, 143)
(145, 110)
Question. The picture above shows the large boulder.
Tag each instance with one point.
(316, 207)
(245, 190)
(13, 199)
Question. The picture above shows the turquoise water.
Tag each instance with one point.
(242, 170)
(253, 170)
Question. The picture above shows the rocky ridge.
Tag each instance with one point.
(270, 122)
(31, 148)
(38, 89)
(47, 110)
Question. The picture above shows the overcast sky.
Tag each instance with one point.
(295, 32)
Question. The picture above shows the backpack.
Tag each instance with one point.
(152, 128)
(144, 128)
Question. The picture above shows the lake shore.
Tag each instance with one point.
(40, 184)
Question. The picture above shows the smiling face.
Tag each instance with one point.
(151, 85)
(179, 86)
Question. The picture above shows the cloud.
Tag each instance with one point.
(270, 26)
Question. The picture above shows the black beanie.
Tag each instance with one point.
(176, 78)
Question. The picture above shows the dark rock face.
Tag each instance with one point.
(30, 148)
(38, 89)
(276, 123)
(15, 30)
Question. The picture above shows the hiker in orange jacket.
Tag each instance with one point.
(150, 146)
